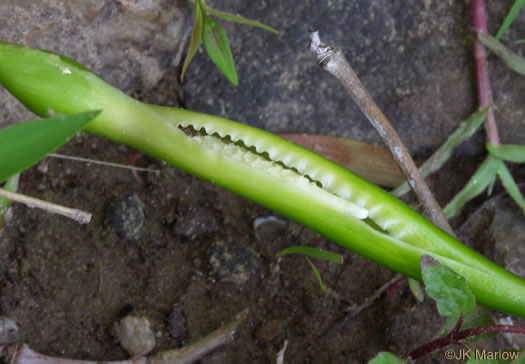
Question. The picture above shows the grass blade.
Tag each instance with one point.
(465, 130)
(196, 37)
(511, 59)
(513, 12)
(510, 186)
(23, 145)
(218, 48)
(10, 185)
(238, 19)
(316, 273)
(508, 152)
(317, 253)
(416, 290)
(483, 177)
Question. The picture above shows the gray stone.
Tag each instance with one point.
(127, 218)
(195, 223)
(233, 263)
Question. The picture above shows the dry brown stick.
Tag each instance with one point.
(192, 352)
(79, 216)
(333, 60)
(22, 354)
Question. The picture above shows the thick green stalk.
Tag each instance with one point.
(262, 167)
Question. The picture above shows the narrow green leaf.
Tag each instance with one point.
(511, 59)
(196, 36)
(464, 131)
(520, 41)
(450, 291)
(511, 187)
(316, 273)
(514, 10)
(478, 317)
(313, 253)
(218, 48)
(385, 357)
(508, 152)
(238, 19)
(23, 145)
(415, 288)
(10, 185)
(481, 179)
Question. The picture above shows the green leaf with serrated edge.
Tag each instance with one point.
(513, 12)
(218, 48)
(196, 37)
(481, 179)
(238, 19)
(476, 318)
(511, 59)
(316, 273)
(385, 357)
(508, 152)
(23, 145)
(416, 290)
(511, 187)
(313, 253)
(450, 291)
(464, 131)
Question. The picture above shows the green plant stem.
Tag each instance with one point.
(262, 167)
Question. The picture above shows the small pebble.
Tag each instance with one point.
(127, 218)
(269, 330)
(135, 335)
(177, 325)
(196, 223)
(9, 332)
(233, 263)
(268, 228)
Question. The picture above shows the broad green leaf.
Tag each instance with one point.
(481, 179)
(23, 145)
(416, 290)
(316, 273)
(238, 19)
(385, 357)
(450, 291)
(218, 48)
(508, 152)
(476, 318)
(196, 36)
(313, 253)
(511, 187)
(511, 59)
(516, 6)
(465, 130)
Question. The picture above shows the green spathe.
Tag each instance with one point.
(260, 166)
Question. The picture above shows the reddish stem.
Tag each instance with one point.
(479, 21)
(457, 337)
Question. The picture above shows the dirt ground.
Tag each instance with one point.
(188, 255)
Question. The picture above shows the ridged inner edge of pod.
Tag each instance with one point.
(259, 158)
(324, 179)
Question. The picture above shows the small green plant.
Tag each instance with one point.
(465, 321)
(214, 37)
(260, 166)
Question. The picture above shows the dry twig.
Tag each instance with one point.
(332, 60)
(79, 216)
